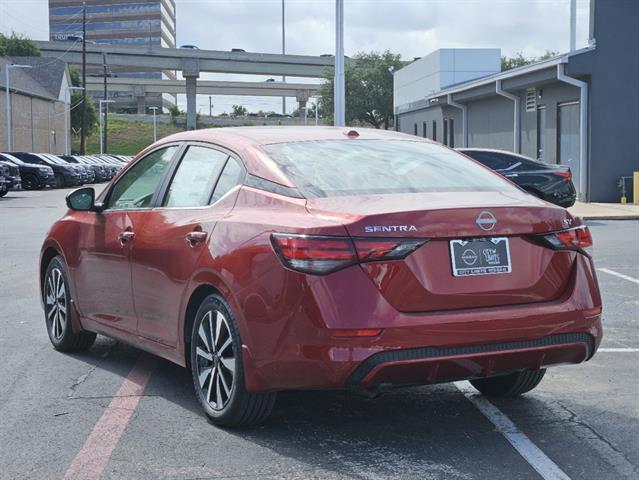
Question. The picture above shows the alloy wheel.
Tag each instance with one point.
(29, 183)
(56, 303)
(215, 358)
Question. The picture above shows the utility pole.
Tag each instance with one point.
(283, 52)
(339, 86)
(83, 131)
(210, 107)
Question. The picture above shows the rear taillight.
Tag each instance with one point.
(314, 254)
(567, 175)
(320, 255)
(577, 238)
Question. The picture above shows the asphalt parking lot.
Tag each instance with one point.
(60, 414)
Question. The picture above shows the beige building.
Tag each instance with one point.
(38, 107)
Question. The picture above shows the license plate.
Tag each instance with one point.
(480, 256)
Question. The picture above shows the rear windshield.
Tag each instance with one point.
(366, 167)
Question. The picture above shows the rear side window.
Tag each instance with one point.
(231, 176)
(490, 159)
(193, 182)
(365, 167)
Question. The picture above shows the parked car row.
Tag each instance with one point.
(35, 171)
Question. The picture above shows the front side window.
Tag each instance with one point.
(367, 167)
(195, 178)
(138, 184)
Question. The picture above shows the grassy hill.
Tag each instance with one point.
(126, 137)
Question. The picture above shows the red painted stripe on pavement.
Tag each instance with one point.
(96, 452)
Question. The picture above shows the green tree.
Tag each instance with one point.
(519, 60)
(76, 106)
(175, 112)
(17, 45)
(239, 110)
(369, 89)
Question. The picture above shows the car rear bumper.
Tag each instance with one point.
(415, 348)
(435, 365)
(47, 180)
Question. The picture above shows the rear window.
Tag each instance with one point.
(366, 167)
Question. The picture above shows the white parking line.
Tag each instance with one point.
(537, 459)
(617, 274)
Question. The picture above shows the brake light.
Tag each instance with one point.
(567, 175)
(314, 254)
(577, 238)
(320, 255)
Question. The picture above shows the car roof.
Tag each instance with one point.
(281, 134)
(496, 150)
(247, 142)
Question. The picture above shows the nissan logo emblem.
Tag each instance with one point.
(486, 221)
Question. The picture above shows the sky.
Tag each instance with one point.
(412, 28)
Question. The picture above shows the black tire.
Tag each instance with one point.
(59, 181)
(30, 182)
(511, 385)
(3, 192)
(232, 406)
(58, 311)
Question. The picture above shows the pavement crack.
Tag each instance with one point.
(79, 381)
(83, 378)
(619, 460)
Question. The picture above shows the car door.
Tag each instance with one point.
(103, 272)
(171, 238)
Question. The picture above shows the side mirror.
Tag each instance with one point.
(83, 200)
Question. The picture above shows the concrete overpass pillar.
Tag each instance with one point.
(191, 72)
(140, 96)
(191, 104)
(302, 98)
(141, 104)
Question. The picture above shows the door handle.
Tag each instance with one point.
(195, 237)
(126, 236)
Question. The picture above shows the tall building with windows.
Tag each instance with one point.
(118, 22)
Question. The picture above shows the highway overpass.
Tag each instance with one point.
(190, 62)
(139, 87)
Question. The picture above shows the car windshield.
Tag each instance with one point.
(365, 167)
(13, 159)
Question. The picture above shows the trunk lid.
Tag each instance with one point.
(424, 280)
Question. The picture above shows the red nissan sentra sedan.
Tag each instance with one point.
(269, 259)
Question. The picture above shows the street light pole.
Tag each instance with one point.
(105, 96)
(67, 113)
(283, 52)
(7, 97)
(102, 125)
(83, 139)
(155, 130)
(339, 86)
